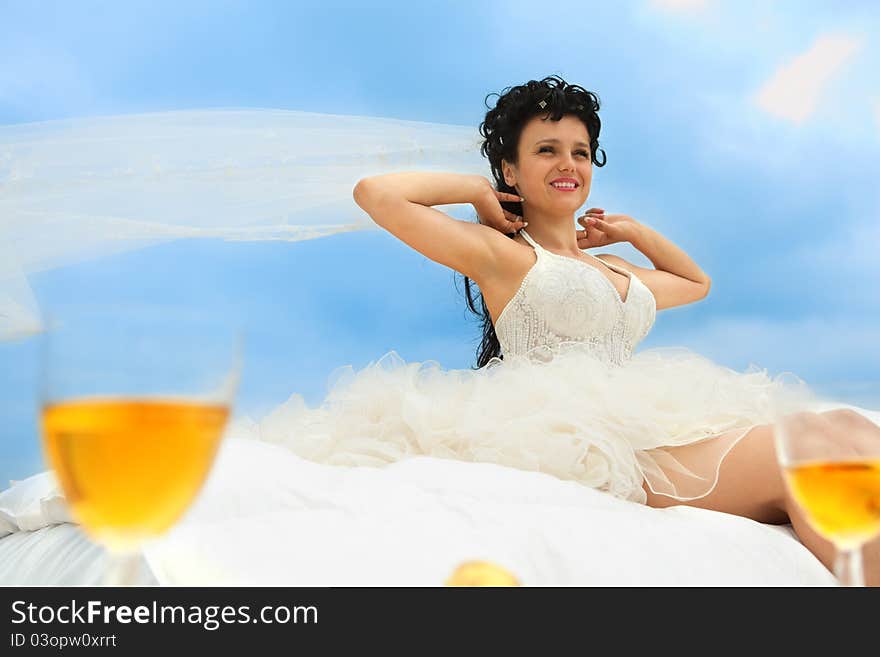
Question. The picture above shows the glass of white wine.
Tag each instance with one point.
(831, 465)
(134, 402)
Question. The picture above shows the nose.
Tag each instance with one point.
(567, 164)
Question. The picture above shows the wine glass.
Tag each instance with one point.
(831, 465)
(134, 401)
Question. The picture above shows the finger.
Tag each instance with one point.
(506, 196)
(596, 210)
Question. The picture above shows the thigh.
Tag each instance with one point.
(750, 481)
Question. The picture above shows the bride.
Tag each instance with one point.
(558, 386)
(541, 293)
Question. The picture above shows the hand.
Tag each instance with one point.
(601, 229)
(490, 212)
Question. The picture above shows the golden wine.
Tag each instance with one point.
(840, 498)
(131, 467)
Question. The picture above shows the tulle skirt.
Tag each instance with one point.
(561, 411)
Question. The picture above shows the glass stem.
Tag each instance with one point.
(848, 566)
(122, 569)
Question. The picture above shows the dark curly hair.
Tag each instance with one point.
(501, 131)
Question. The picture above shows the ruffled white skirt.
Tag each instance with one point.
(568, 414)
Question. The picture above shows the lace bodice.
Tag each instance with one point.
(562, 299)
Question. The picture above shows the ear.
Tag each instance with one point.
(509, 173)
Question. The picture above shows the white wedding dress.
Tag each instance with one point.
(570, 397)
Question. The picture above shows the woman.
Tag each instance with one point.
(540, 292)
(558, 386)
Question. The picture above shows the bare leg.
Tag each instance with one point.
(750, 484)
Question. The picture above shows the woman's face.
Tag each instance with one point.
(549, 150)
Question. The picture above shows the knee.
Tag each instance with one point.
(845, 414)
(841, 417)
(853, 422)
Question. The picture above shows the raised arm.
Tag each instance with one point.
(400, 203)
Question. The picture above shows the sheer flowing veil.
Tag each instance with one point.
(78, 189)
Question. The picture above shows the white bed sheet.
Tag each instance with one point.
(268, 517)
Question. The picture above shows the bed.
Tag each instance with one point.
(267, 517)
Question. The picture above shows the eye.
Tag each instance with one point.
(550, 148)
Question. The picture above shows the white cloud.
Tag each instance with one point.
(794, 89)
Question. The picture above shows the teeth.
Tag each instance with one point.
(564, 185)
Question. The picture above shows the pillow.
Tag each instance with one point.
(32, 503)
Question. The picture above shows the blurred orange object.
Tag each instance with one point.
(481, 573)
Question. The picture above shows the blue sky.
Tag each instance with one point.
(746, 132)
